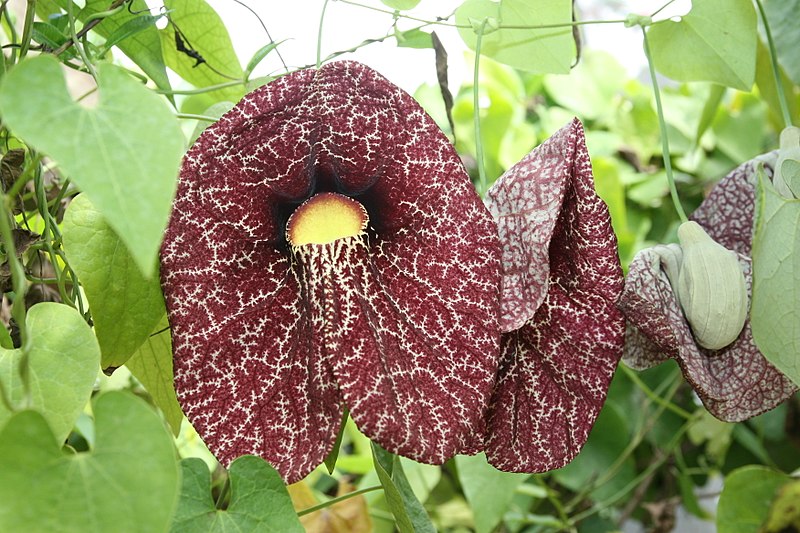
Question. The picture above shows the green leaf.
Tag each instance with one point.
(131, 28)
(785, 26)
(535, 50)
(48, 35)
(408, 512)
(401, 4)
(128, 483)
(785, 513)
(709, 111)
(414, 38)
(202, 31)
(716, 41)
(144, 48)
(488, 490)
(259, 500)
(775, 307)
(745, 499)
(124, 154)
(125, 305)
(151, 364)
(260, 54)
(63, 363)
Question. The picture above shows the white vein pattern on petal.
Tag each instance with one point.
(557, 367)
(236, 234)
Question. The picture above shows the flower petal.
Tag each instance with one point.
(253, 370)
(556, 368)
(736, 382)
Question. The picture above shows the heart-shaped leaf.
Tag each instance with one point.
(535, 50)
(125, 305)
(124, 154)
(259, 500)
(716, 41)
(127, 484)
(63, 363)
(775, 312)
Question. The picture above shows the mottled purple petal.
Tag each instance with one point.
(736, 382)
(399, 324)
(556, 368)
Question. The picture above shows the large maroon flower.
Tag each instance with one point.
(736, 382)
(382, 295)
(561, 282)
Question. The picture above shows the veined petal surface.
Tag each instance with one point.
(558, 247)
(400, 324)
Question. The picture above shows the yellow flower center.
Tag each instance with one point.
(325, 217)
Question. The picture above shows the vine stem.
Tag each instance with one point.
(319, 33)
(500, 27)
(74, 37)
(662, 125)
(776, 72)
(191, 116)
(30, 13)
(338, 499)
(201, 90)
(476, 110)
(655, 398)
(20, 286)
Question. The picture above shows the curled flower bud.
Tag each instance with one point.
(711, 288)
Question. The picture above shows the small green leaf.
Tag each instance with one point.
(127, 484)
(130, 28)
(745, 499)
(414, 38)
(488, 490)
(63, 363)
(151, 364)
(775, 307)
(709, 110)
(330, 460)
(401, 4)
(408, 512)
(125, 305)
(535, 50)
(259, 500)
(124, 154)
(260, 54)
(48, 35)
(716, 41)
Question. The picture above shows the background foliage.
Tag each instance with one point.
(80, 451)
